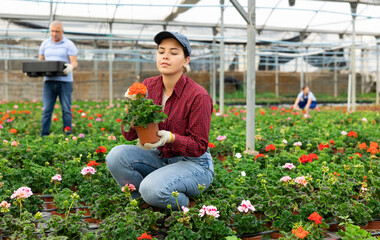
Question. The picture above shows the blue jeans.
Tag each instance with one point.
(302, 104)
(52, 89)
(155, 178)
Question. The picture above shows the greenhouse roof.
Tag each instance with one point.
(198, 19)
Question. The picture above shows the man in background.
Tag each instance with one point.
(58, 48)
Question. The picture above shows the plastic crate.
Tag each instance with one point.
(43, 68)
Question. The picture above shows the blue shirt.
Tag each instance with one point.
(60, 51)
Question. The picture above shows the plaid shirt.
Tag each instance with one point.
(189, 110)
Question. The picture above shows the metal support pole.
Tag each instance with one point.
(307, 68)
(362, 71)
(353, 58)
(335, 77)
(138, 64)
(213, 66)
(377, 70)
(276, 65)
(6, 76)
(221, 67)
(301, 62)
(110, 68)
(251, 77)
(96, 71)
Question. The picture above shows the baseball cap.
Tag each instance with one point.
(182, 39)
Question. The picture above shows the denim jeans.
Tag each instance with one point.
(51, 90)
(155, 178)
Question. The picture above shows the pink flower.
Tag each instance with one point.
(209, 211)
(1, 126)
(98, 119)
(301, 181)
(289, 166)
(221, 138)
(218, 114)
(128, 187)
(297, 144)
(246, 206)
(88, 170)
(285, 179)
(344, 133)
(5, 204)
(14, 143)
(284, 142)
(56, 177)
(5, 141)
(22, 193)
(111, 138)
(185, 209)
(364, 119)
(74, 138)
(81, 135)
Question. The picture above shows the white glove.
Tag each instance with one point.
(68, 68)
(142, 146)
(166, 137)
(130, 97)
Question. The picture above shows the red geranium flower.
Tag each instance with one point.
(92, 163)
(101, 149)
(211, 145)
(315, 217)
(55, 119)
(332, 142)
(137, 88)
(118, 120)
(270, 147)
(313, 156)
(356, 154)
(305, 158)
(99, 115)
(12, 130)
(322, 146)
(144, 236)
(352, 134)
(363, 146)
(259, 155)
(67, 129)
(300, 232)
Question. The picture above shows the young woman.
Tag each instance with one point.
(305, 100)
(180, 161)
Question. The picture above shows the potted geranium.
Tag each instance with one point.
(142, 114)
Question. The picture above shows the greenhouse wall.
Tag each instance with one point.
(91, 84)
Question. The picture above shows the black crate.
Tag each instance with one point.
(43, 68)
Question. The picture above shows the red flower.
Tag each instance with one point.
(315, 217)
(90, 124)
(102, 129)
(90, 118)
(270, 127)
(300, 232)
(12, 130)
(352, 134)
(305, 158)
(313, 156)
(55, 119)
(137, 88)
(101, 149)
(332, 142)
(363, 146)
(322, 146)
(118, 120)
(99, 115)
(67, 129)
(92, 163)
(144, 236)
(356, 154)
(372, 150)
(211, 145)
(270, 147)
(259, 155)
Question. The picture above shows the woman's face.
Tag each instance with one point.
(170, 57)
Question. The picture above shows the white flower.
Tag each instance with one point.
(185, 209)
(284, 142)
(344, 133)
(297, 144)
(246, 206)
(243, 174)
(289, 166)
(238, 155)
(364, 119)
(56, 177)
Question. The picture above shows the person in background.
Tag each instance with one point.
(58, 48)
(305, 100)
(180, 161)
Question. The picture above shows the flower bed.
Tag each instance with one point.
(312, 170)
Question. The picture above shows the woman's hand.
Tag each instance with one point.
(165, 137)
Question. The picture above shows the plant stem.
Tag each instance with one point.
(42, 229)
(267, 192)
(68, 212)
(179, 209)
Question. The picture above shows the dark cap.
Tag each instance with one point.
(177, 36)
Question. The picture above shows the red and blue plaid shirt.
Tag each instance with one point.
(189, 110)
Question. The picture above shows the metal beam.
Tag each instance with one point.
(367, 2)
(18, 17)
(240, 9)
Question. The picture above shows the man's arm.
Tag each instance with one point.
(73, 61)
(41, 57)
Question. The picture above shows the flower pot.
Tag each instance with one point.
(252, 238)
(93, 220)
(372, 225)
(276, 235)
(148, 134)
